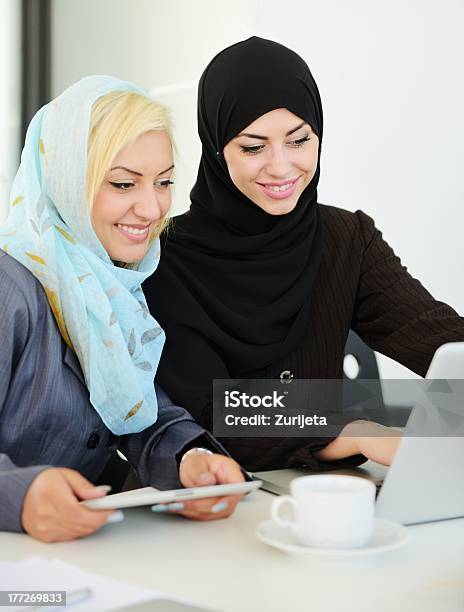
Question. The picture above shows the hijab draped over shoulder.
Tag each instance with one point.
(100, 308)
(233, 289)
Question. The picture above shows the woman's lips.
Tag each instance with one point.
(280, 190)
(133, 233)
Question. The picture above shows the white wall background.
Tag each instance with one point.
(156, 44)
(10, 97)
(391, 76)
(392, 86)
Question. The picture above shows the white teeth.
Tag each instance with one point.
(133, 230)
(279, 187)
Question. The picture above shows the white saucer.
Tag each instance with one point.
(387, 536)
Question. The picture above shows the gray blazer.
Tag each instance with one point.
(46, 418)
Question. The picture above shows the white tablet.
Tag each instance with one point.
(149, 495)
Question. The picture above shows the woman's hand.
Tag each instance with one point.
(376, 442)
(51, 509)
(197, 470)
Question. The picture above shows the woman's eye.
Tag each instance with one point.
(300, 141)
(164, 184)
(251, 150)
(122, 186)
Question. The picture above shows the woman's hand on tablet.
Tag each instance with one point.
(199, 469)
(51, 510)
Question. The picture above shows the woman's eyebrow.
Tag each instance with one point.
(248, 135)
(139, 173)
(167, 170)
(125, 170)
(296, 129)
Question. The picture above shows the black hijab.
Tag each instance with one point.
(234, 283)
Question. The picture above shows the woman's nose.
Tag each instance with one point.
(279, 164)
(149, 206)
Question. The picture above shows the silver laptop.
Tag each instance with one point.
(425, 481)
(448, 362)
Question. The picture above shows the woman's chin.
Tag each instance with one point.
(124, 257)
(277, 208)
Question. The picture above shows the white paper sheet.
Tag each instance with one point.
(53, 574)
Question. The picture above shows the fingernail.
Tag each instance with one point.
(116, 517)
(175, 506)
(167, 507)
(105, 488)
(159, 508)
(205, 477)
(219, 507)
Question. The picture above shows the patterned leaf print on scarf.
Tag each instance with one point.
(17, 201)
(143, 309)
(36, 258)
(144, 365)
(150, 335)
(135, 408)
(131, 344)
(34, 227)
(65, 234)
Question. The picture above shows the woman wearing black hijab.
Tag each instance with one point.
(258, 280)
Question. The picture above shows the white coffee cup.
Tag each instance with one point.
(331, 510)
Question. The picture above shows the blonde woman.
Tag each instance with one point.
(79, 348)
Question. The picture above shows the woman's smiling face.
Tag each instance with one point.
(273, 160)
(134, 197)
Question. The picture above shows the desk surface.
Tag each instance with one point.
(222, 565)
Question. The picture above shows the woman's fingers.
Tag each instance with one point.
(51, 509)
(198, 470)
(77, 517)
(194, 471)
(212, 508)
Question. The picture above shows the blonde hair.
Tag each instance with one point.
(116, 120)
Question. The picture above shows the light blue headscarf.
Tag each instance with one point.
(100, 308)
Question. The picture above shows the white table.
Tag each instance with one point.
(221, 564)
